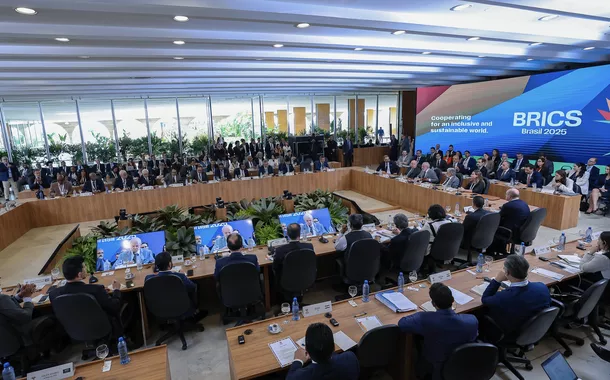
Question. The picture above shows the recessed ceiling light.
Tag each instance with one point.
(481, 56)
(536, 44)
(302, 25)
(181, 18)
(25, 11)
(461, 7)
(589, 48)
(278, 45)
(259, 59)
(426, 53)
(530, 59)
(178, 58)
(358, 49)
(179, 42)
(84, 56)
(62, 39)
(399, 32)
(548, 18)
(474, 38)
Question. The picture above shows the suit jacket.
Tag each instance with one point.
(479, 187)
(238, 172)
(469, 164)
(342, 366)
(317, 166)
(430, 174)
(146, 181)
(536, 178)
(234, 257)
(282, 251)
(393, 167)
(43, 181)
(286, 168)
(169, 179)
(513, 215)
(190, 285)
(4, 172)
(470, 224)
(443, 331)
(441, 165)
(262, 171)
(218, 173)
(110, 303)
(419, 160)
(99, 186)
(412, 172)
(512, 307)
(523, 162)
(484, 172)
(593, 176)
(118, 183)
(195, 176)
(348, 148)
(16, 316)
(399, 244)
(505, 177)
(453, 182)
(67, 187)
(94, 169)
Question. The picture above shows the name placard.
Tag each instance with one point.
(40, 282)
(179, 259)
(319, 308)
(440, 277)
(542, 250)
(62, 371)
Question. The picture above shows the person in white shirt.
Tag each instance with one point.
(594, 262)
(580, 176)
(404, 160)
(273, 162)
(439, 217)
(561, 183)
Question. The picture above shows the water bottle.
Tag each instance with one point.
(589, 235)
(8, 373)
(365, 291)
(401, 282)
(522, 249)
(295, 309)
(138, 262)
(124, 355)
(562, 242)
(480, 263)
(512, 182)
(486, 203)
(11, 196)
(457, 209)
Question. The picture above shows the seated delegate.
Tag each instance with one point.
(561, 183)
(345, 240)
(477, 182)
(387, 166)
(472, 220)
(452, 181)
(322, 165)
(427, 174)
(597, 261)
(505, 173)
(235, 244)
(398, 244)
(531, 177)
(601, 191)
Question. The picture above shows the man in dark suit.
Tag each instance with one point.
(548, 164)
(399, 243)
(38, 180)
(519, 162)
(593, 172)
(439, 162)
(146, 179)
(293, 233)
(332, 148)
(481, 167)
(253, 148)
(472, 219)
(265, 170)
(268, 147)
(413, 170)
(531, 176)
(419, 158)
(124, 182)
(99, 168)
(18, 317)
(442, 331)
(469, 163)
(173, 178)
(387, 166)
(322, 165)
(75, 272)
(94, 185)
(199, 176)
(512, 307)
(505, 173)
(235, 244)
(345, 240)
(241, 171)
(513, 214)
(221, 173)
(348, 152)
(320, 347)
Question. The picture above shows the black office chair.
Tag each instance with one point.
(413, 257)
(306, 165)
(532, 331)
(486, 181)
(377, 347)
(483, 236)
(11, 345)
(298, 273)
(529, 230)
(602, 352)
(362, 262)
(471, 361)
(460, 177)
(240, 292)
(446, 244)
(83, 319)
(168, 300)
(575, 311)
(439, 174)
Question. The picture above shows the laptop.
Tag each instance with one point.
(558, 368)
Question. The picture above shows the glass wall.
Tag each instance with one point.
(199, 119)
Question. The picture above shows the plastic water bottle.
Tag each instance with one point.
(8, 373)
(138, 262)
(295, 309)
(457, 209)
(522, 249)
(486, 203)
(480, 263)
(401, 282)
(124, 355)
(562, 242)
(365, 291)
(589, 235)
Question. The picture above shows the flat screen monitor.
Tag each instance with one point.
(557, 368)
(313, 222)
(214, 236)
(121, 250)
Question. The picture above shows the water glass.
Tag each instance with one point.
(251, 244)
(412, 276)
(488, 261)
(55, 274)
(285, 308)
(353, 291)
(534, 186)
(101, 352)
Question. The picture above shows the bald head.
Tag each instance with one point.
(512, 194)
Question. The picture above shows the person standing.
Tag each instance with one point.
(8, 176)
(348, 152)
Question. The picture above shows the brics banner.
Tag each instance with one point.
(565, 115)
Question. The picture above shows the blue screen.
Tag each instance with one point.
(214, 235)
(153, 241)
(313, 222)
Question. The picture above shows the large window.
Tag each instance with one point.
(232, 118)
(163, 125)
(131, 126)
(98, 129)
(25, 131)
(194, 123)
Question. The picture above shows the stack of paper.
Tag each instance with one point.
(573, 260)
(397, 302)
(284, 351)
(341, 339)
(460, 297)
(368, 323)
(427, 306)
(479, 289)
(547, 273)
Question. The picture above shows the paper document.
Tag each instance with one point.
(548, 273)
(301, 342)
(368, 323)
(343, 341)
(571, 269)
(479, 289)
(284, 351)
(460, 297)
(428, 306)
(572, 259)
(400, 301)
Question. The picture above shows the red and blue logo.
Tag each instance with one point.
(605, 114)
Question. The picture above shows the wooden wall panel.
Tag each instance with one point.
(408, 112)
(366, 156)
(323, 116)
(370, 118)
(393, 121)
(282, 120)
(15, 223)
(300, 120)
(269, 120)
(351, 104)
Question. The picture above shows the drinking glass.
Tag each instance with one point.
(390, 223)
(339, 228)
(251, 244)
(448, 209)
(488, 261)
(285, 308)
(412, 276)
(353, 291)
(101, 352)
(55, 274)
(534, 186)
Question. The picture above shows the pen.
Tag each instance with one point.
(360, 315)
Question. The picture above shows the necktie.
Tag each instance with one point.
(472, 186)
(92, 186)
(387, 167)
(438, 163)
(175, 180)
(518, 165)
(311, 230)
(529, 176)
(124, 185)
(425, 171)
(199, 177)
(503, 174)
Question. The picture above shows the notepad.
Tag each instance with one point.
(479, 289)
(572, 259)
(368, 323)
(428, 306)
(343, 341)
(396, 301)
(301, 342)
(460, 297)
(571, 269)
(547, 273)
(283, 350)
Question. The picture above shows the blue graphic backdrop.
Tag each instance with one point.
(114, 245)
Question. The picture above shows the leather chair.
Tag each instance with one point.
(486, 191)
(439, 174)
(446, 244)
(483, 236)
(471, 361)
(377, 347)
(529, 230)
(240, 292)
(83, 319)
(602, 352)
(413, 257)
(298, 273)
(168, 300)
(362, 262)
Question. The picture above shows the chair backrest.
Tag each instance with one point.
(81, 316)
(239, 285)
(447, 241)
(460, 177)
(363, 260)
(486, 181)
(413, 257)
(377, 346)
(166, 296)
(299, 270)
(471, 361)
(439, 174)
(590, 298)
(536, 327)
(485, 231)
(11, 339)
(530, 228)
